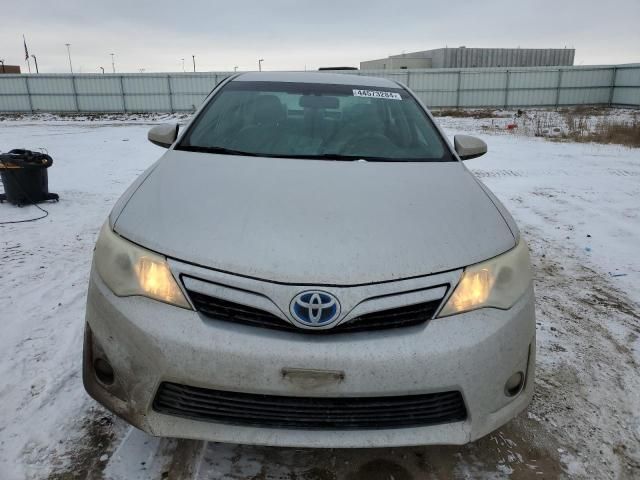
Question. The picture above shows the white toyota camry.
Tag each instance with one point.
(310, 263)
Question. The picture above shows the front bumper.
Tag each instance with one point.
(148, 342)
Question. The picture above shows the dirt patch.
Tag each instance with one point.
(583, 385)
(87, 459)
(522, 449)
(184, 460)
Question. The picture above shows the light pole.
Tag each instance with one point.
(2, 62)
(113, 62)
(35, 60)
(235, 69)
(194, 62)
(260, 64)
(69, 53)
(183, 70)
(102, 68)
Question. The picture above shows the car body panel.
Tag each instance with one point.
(314, 221)
(148, 342)
(316, 77)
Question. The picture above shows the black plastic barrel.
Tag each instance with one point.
(24, 176)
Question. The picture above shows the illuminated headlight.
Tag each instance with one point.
(496, 283)
(129, 270)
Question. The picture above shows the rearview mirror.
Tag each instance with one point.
(469, 147)
(318, 101)
(163, 135)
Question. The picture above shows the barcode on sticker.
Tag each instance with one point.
(376, 94)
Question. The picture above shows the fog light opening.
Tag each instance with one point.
(514, 385)
(104, 371)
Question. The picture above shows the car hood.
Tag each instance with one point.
(314, 222)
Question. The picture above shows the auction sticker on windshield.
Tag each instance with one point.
(376, 94)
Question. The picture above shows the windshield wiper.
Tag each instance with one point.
(222, 150)
(322, 156)
(351, 158)
(336, 156)
(362, 158)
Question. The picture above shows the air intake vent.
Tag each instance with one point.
(335, 413)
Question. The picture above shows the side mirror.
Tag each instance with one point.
(469, 147)
(163, 135)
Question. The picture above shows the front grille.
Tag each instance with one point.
(407, 316)
(273, 411)
(234, 312)
(393, 318)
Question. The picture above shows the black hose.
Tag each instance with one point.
(20, 158)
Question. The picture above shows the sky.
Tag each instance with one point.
(154, 36)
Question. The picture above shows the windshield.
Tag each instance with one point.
(309, 120)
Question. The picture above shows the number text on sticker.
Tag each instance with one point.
(376, 94)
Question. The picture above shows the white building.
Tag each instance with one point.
(463, 57)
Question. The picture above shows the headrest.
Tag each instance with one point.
(268, 110)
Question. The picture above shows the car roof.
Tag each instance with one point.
(316, 77)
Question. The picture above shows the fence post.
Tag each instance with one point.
(170, 94)
(26, 84)
(75, 92)
(614, 74)
(458, 89)
(506, 90)
(558, 87)
(124, 103)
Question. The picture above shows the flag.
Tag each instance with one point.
(26, 50)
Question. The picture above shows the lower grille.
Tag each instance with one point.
(273, 411)
(407, 316)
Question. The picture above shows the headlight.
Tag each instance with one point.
(496, 283)
(128, 270)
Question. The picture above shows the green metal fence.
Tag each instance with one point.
(614, 85)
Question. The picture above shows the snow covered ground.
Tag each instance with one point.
(577, 204)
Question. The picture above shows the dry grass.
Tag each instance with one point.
(466, 113)
(582, 123)
(585, 123)
(586, 110)
(620, 134)
(581, 128)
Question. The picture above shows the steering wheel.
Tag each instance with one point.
(367, 143)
